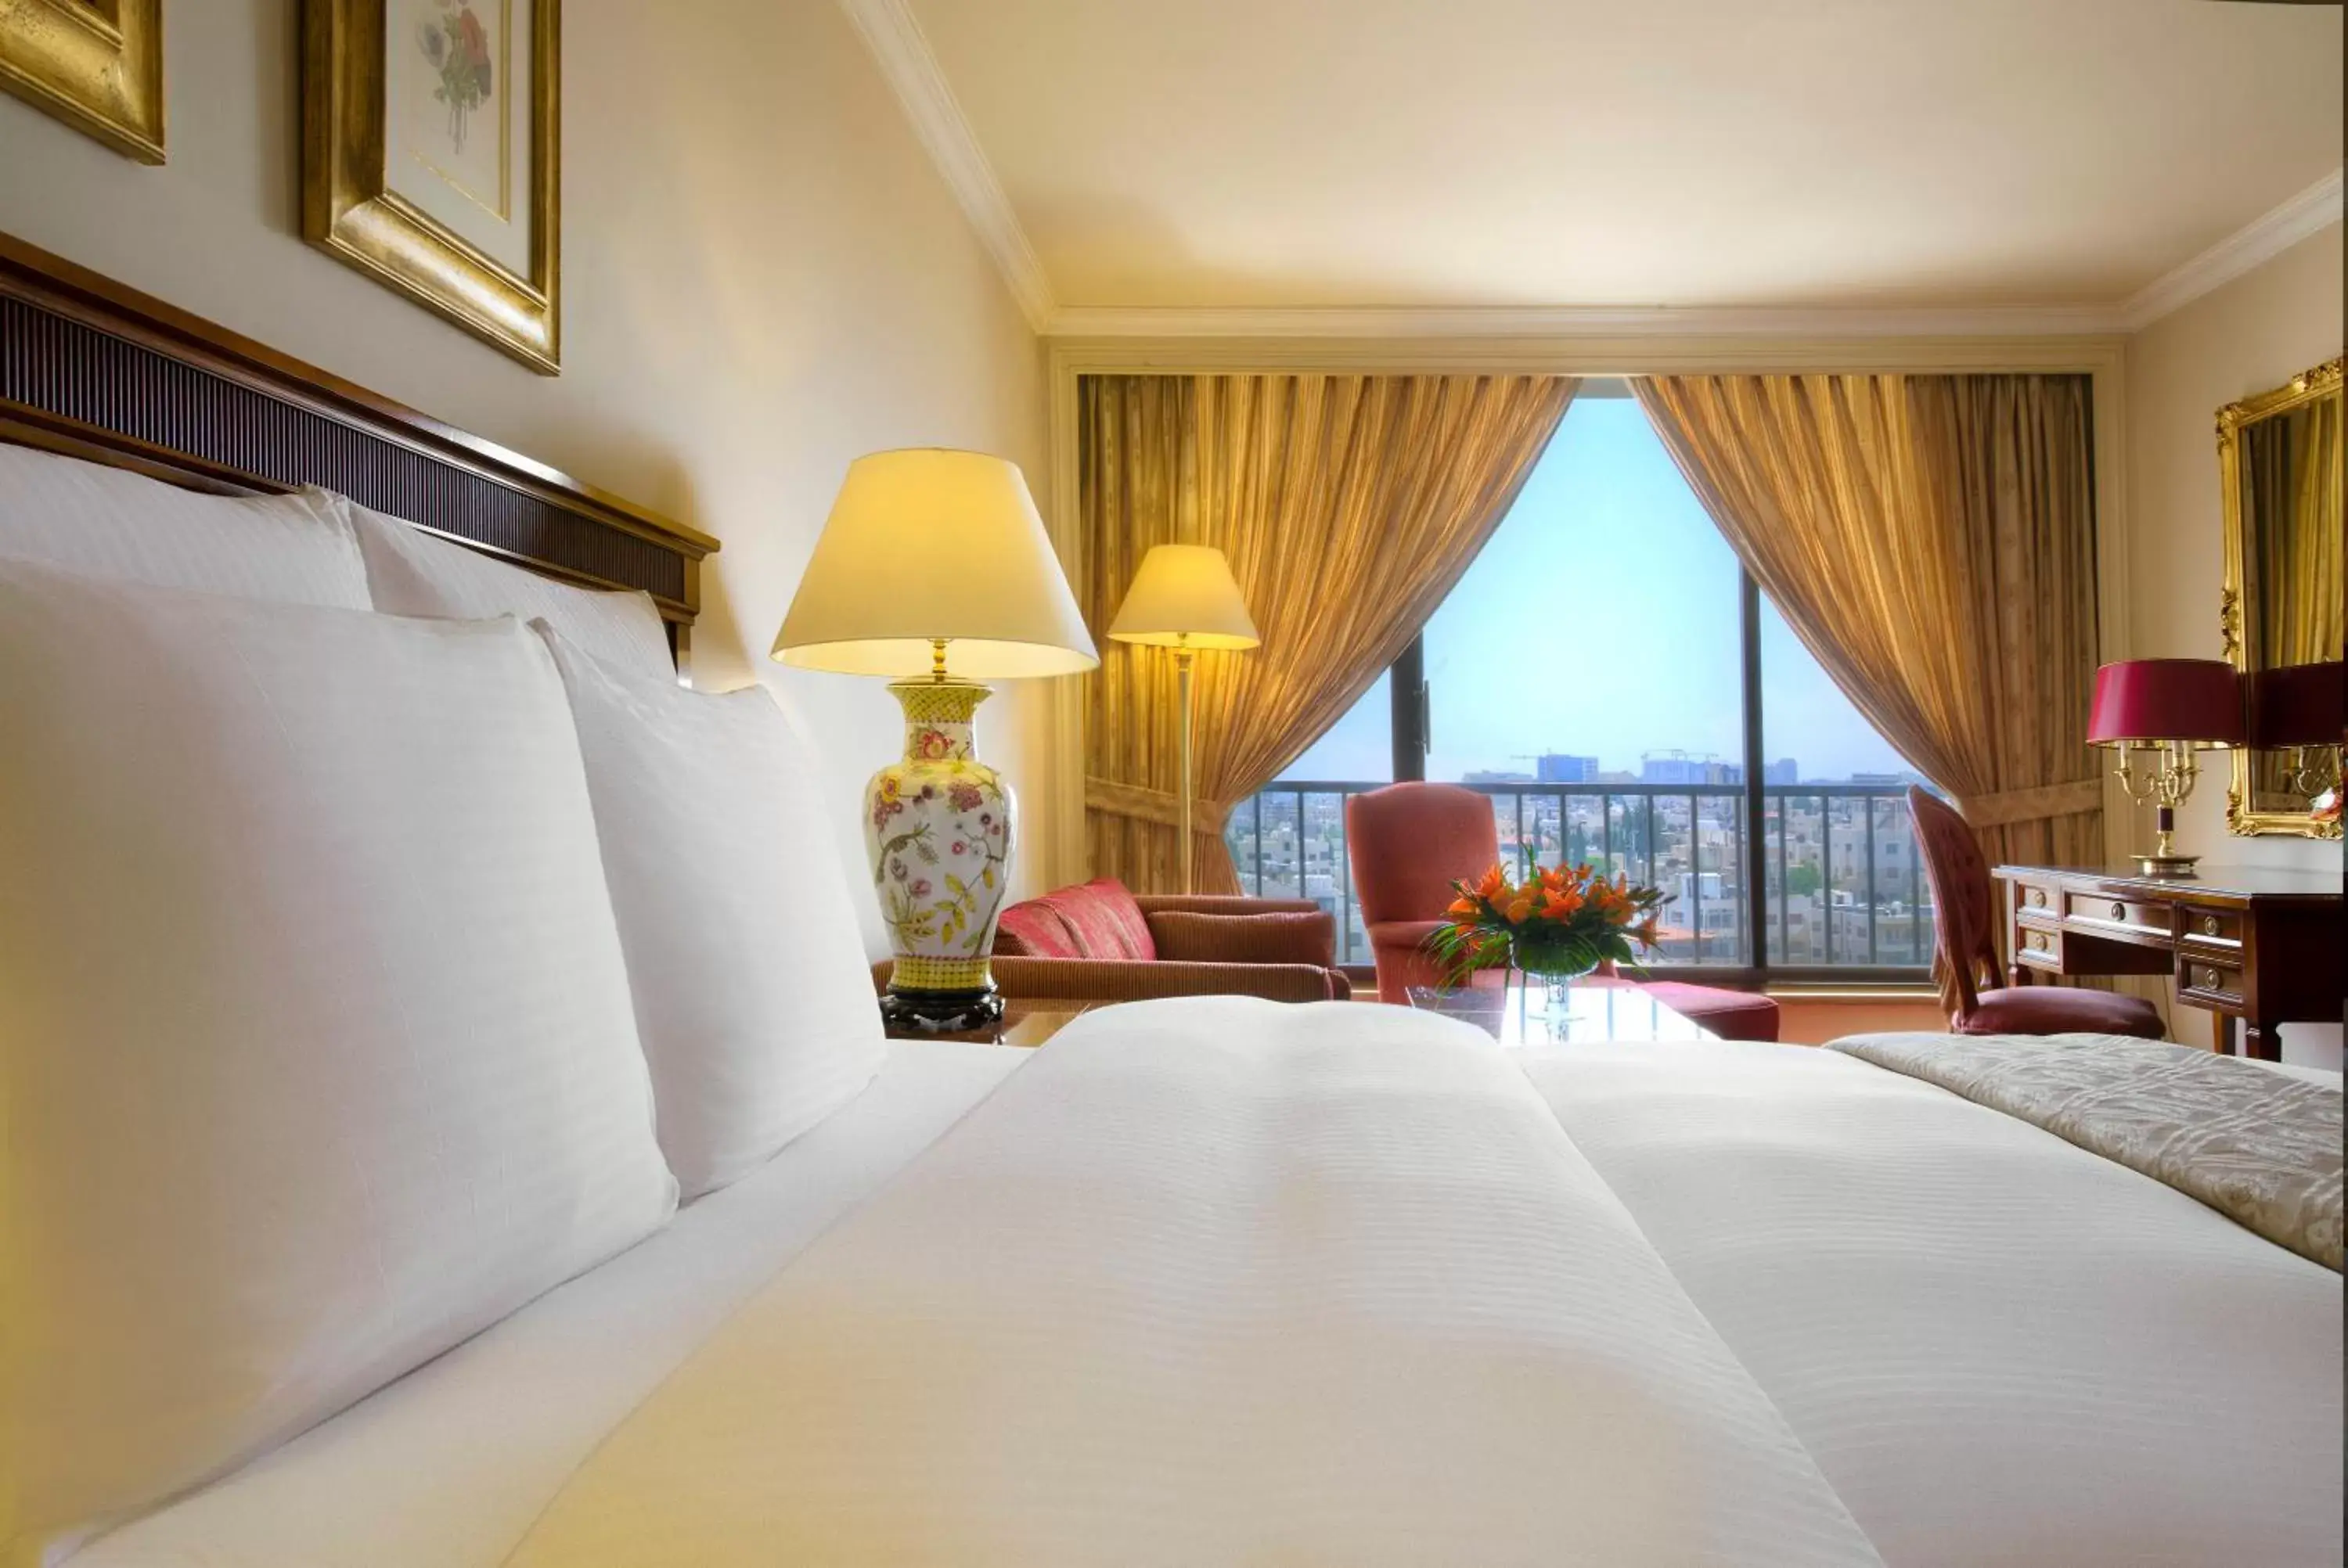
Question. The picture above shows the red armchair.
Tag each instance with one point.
(1100, 942)
(1963, 914)
(1409, 842)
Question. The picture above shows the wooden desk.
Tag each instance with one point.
(2247, 942)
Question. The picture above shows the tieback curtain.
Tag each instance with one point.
(1348, 505)
(1930, 540)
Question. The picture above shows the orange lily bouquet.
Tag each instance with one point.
(1559, 922)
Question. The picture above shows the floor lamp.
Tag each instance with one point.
(1184, 598)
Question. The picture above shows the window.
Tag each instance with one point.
(1845, 886)
(1595, 642)
(1358, 747)
(1597, 671)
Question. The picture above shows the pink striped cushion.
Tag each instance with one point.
(1106, 920)
(1034, 930)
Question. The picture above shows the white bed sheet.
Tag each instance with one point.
(449, 1467)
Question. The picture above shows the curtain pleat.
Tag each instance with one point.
(1930, 540)
(2293, 467)
(1348, 506)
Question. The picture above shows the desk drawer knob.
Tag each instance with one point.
(2213, 981)
(2208, 924)
(2037, 943)
(2119, 911)
(2037, 899)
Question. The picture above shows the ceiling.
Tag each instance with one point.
(1219, 154)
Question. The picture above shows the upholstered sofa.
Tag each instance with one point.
(1100, 942)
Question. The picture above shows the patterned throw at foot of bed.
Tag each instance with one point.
(2261, 1148)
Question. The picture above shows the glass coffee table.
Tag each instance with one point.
(1527, 1014)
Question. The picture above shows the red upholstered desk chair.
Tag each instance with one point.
(1964, 913)
(1409, 842)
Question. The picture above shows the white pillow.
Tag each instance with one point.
(411, 572)
(317, 1053)
(753, 996)
(113, 524)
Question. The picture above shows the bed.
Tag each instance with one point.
(1218, 1280)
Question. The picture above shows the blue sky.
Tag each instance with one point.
(1601, 620)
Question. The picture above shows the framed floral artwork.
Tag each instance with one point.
(431, 157)
(97, 64)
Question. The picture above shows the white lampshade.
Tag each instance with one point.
(927, 544)
(1184, 597)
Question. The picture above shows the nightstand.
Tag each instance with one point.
(1023, 1023)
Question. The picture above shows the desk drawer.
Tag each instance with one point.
(2040, 950)
(2116, 914)
(2208, 981)
(2037, 899)
(2209, 928)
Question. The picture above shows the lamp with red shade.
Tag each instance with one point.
(2301, 710)
(2166, 710)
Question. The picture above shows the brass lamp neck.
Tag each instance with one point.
(2165, 787)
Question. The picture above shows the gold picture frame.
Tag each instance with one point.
(438, 183)
(97, 64)
(2243, 817)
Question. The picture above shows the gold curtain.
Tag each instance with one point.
(1348, 505)
(1930, 540)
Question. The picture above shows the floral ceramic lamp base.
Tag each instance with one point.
(939, 827)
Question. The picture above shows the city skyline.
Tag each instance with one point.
(1605, 507)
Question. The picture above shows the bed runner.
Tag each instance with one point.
(1219, 1282)
(2261, 1148)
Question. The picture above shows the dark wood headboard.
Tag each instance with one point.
(98, 371)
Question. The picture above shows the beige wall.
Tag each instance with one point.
(764, 276)
(2253, 334)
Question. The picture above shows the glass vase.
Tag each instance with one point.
(1554, 970)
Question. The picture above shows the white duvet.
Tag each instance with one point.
(1999, 1347)
(1219, 1284)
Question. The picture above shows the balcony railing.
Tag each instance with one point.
(1844, 890)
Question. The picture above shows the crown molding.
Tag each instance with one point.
(2263, 239)
(1627, 354)
(1570, 321)
(895, 39)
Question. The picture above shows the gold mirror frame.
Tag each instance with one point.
(347, 211)
(97, 64)
(2308, 386)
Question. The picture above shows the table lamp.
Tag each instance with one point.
(934, 569)
(2170, 708)
(1184, 598)
(2301, 709)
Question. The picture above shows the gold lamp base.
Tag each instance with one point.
(2178, 866)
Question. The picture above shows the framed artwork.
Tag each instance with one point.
(431, 157)
(97, 64)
